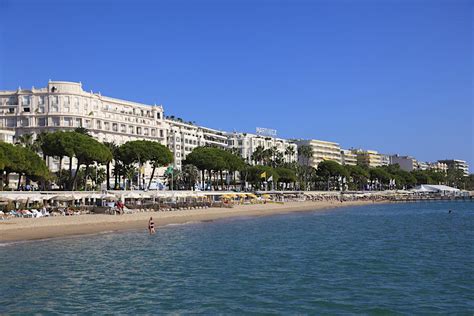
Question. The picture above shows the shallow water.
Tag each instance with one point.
(411, 258)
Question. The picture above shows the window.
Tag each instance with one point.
(54, 108)
(41, 99)
(106, 126)
(12, 101)
(67, 121)
(55, 121)
(11, 110)
(25, 100)
(161, 133)
(99, 125)
(145, 131)
(153, 132)
(41, 121)
(55, 100)
(67, 100)
(114, 127)
(131, 130)
(123, 128)
(11, 122)
(88, 124)
(139, 130)
(78, 122)
(158, 115)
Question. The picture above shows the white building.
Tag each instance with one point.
(66, 106)
(183, 137)
(246, 144)
(438, 166)
(322, 150)
(369, 158)
(348, 157)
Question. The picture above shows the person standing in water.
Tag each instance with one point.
(151, 226)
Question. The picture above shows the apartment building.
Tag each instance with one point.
(438, 166)
(322, 150)
(406, 163)
(183, 137)
(348, 158)
(246, 144)
(369, 158)
(457, 164)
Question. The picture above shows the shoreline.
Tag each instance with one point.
(29, 229)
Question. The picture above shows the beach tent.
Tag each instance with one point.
(432, 188)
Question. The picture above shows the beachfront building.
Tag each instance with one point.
(422, 165)
(322, 150)
(65, 105)
(369, 158)
(348, 158)
(245, 144)
(456, 164)
(438, 166)
(183, 137)
(406, 163)
(384, 160)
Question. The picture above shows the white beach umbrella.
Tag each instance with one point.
(63, 198)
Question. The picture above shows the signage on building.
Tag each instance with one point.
(266, 132)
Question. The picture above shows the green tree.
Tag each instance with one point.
(358, 177)
(331, 171)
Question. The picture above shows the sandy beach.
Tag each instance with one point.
(18, 229)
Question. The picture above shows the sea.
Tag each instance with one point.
(381, 259)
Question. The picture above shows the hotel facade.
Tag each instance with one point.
(322, 150)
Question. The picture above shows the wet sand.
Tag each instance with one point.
(18, 229)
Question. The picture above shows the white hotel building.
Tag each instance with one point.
(245, 144)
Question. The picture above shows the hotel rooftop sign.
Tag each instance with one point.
(266, 132)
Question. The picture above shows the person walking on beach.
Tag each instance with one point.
(151, 226)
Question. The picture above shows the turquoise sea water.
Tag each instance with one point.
(412, 258)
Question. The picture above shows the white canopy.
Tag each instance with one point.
(434, 188)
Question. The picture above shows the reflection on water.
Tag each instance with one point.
(401, 258)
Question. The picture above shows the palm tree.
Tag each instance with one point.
(190, 174)
(258, 154)
(289, 151)
(305, 152)
(39, 141)
(113, 149)
(26, 140)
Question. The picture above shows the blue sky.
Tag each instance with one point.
(394, 76)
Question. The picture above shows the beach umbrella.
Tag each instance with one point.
(63, 198)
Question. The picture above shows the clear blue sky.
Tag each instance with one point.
(394, 76)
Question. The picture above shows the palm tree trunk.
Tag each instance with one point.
(74, 180)
(86, 171)
(108, 176)
(19, 182)
(202, 178)
(151, 177)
